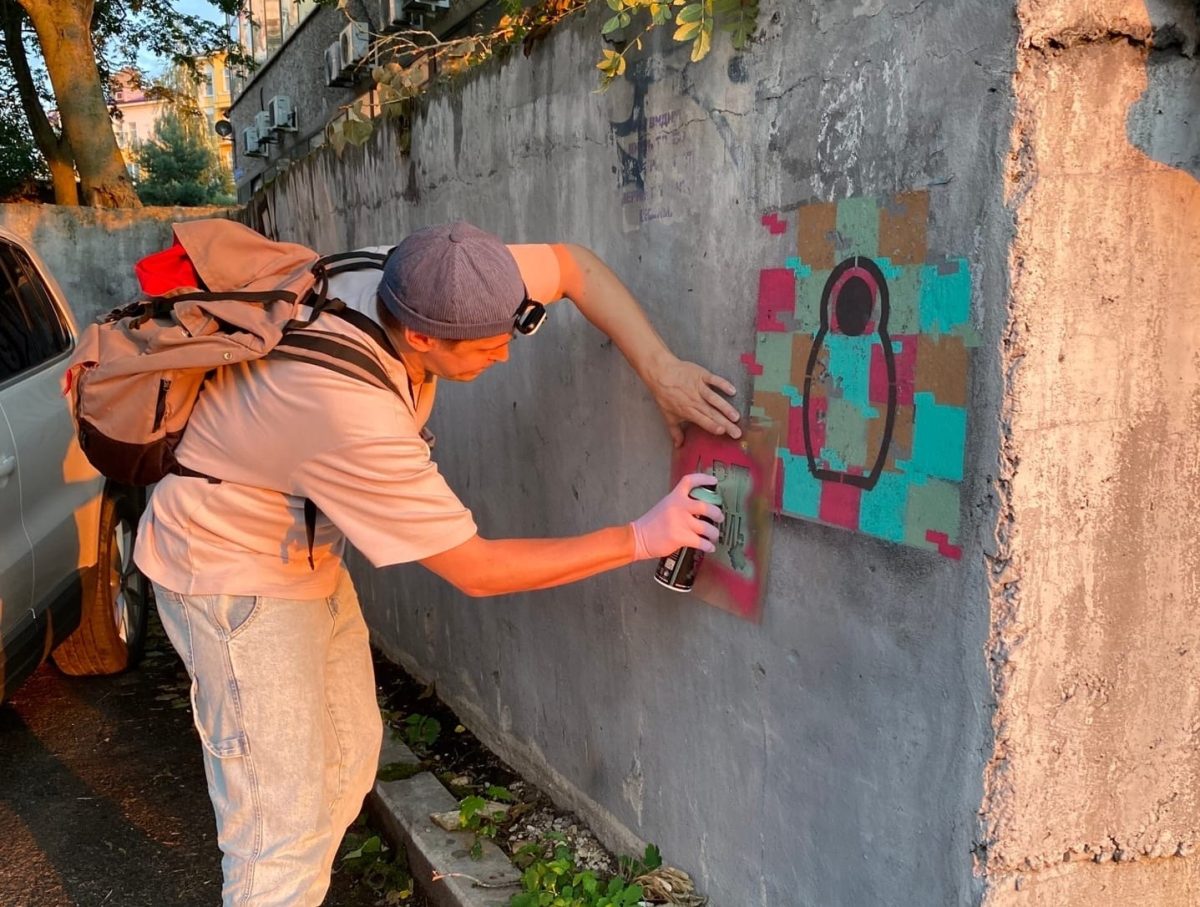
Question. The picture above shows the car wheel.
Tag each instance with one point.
(116, 597)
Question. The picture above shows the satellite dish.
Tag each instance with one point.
(223, 128)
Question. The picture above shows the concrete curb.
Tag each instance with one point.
(403, 809)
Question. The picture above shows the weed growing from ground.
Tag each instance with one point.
(421, 732)
(475, 817)
(367, 857)
(556, 880)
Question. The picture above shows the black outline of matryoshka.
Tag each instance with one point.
(836, 282)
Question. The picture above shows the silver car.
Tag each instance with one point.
(68, 586)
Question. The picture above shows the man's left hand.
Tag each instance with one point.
(686, 392)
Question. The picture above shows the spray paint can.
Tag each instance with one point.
(677, 571)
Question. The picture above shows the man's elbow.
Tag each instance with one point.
(473, 589)
(471, 585)
(465, 568)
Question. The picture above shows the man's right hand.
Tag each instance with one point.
(481, 567)
(674, 522)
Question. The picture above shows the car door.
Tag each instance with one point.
(59, 488)
(59, 491)
(16, 555)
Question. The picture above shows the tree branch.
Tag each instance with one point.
(14, 45)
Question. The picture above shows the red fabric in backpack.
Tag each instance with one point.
(167, 270)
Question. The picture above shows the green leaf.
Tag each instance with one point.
(610, 62)
(421, 730)
(468, 809)
(693, 12)
(687, 31)
(357, 131)
(502, 794)
(611, 25)
(615, 5)
(652, 857)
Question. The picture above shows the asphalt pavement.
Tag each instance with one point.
(103, 800)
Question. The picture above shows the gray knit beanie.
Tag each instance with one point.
(453, 281)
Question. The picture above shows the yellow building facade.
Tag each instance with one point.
(208, 91)
(213, 95)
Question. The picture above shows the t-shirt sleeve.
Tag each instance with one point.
(388, 498)
(541, 271)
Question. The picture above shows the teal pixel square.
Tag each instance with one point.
(801, 490)
(882, 510)
(939, 436)
(945, 298)
(850, 360)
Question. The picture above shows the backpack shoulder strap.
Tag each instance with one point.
(364, 323)
(335, 353)
(340, 262)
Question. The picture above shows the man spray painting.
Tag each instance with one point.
(264, 614)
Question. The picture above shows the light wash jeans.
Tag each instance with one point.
(283, 695)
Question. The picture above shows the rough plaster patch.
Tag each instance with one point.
(1097, 746)
(1064, 23)
(1154, 883)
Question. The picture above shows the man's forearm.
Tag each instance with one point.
(482, 567)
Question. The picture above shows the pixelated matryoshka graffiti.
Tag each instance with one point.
(854, 303)
(860, 362)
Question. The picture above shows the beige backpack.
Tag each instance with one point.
(135, 376)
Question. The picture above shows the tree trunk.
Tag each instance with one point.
(54, 147)
(64, 32)
(62, 177)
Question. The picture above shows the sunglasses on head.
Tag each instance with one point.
(529, 317)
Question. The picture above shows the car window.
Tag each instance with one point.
(31, 331)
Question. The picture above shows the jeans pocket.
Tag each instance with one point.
(234, 613)
(218, 722)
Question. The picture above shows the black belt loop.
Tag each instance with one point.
(310, 529)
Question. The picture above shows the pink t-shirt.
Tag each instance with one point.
(279, 432)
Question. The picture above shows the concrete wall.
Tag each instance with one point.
(833, 755)
(1092, 791)
(91, 251)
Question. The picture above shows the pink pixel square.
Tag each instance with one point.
(906, 371)
(840, 504)
(776, 294)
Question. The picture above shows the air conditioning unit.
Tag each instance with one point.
(333, 65)
(280, 113)
(355, 41)
(262, 123)
(251, 146)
